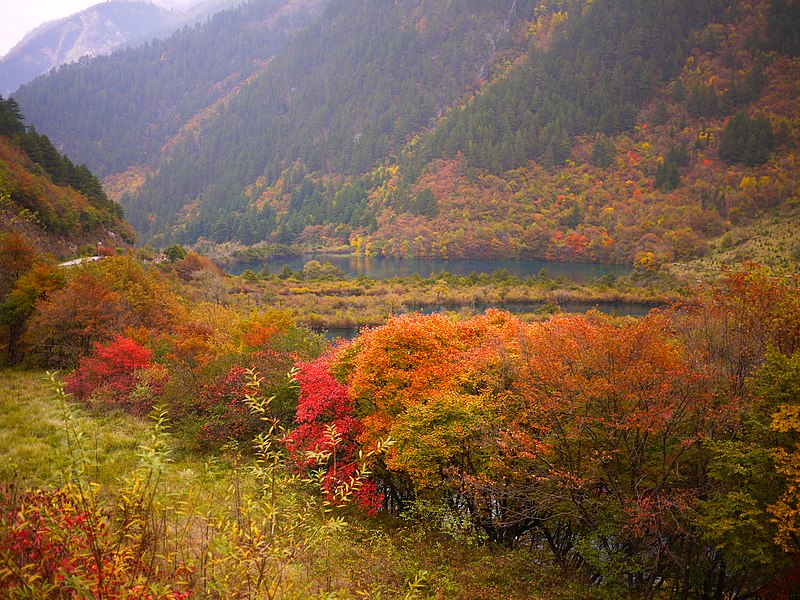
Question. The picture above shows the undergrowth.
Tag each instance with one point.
(95, 505)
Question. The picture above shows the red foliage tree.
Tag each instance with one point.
(70, 320)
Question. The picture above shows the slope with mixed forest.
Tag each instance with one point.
(55, 205)
(627, 131)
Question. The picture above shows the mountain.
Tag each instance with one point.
(628, 131)
(141, 97)
(44, 197)
(92, 32)
(96, 31)
(358, 83)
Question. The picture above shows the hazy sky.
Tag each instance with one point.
(20, 16)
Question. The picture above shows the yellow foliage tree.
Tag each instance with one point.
(786, 510)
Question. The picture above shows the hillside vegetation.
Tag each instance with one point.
(472, 457)
(47, 199)
(632, 132)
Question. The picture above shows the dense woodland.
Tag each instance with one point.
(347, 92)
(141, 97)
(626, 132)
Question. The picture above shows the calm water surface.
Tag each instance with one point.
(386, 268)
(610, 308)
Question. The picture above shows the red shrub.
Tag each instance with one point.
(50, 542)
(113, 372)
(325, 403)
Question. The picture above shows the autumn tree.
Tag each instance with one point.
(193, 263)
(436, 385)
(327, 432)
(70, 320)
(17, 255)
(395, 366)
(37, 284)
(120, 374)
(778, 383)
(151, 302)
(608, 415)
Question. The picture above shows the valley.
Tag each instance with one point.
(407, 299)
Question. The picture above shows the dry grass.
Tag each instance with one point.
(773, 241)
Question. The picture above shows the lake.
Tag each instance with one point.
(610, 308)
(387, 268)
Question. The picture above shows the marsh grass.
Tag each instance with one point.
(353, 303)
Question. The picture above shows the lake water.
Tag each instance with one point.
(609, 308)
(387, 268)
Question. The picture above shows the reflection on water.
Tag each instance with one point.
(386, 268)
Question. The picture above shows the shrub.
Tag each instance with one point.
(120, 373)
(325, 438)
(222, 404)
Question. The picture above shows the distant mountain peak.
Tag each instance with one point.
(98, 30)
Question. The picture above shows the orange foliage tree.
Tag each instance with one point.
(71, 319)
(609, 416)
(97, 303)
(601, 440)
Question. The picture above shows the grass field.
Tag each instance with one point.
(33, 443)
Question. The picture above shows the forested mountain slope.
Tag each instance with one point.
(581, 169)
(620, 152)
(91, 32)
(47, 199)
(140, 97)
(627, 131)
(346, 94)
